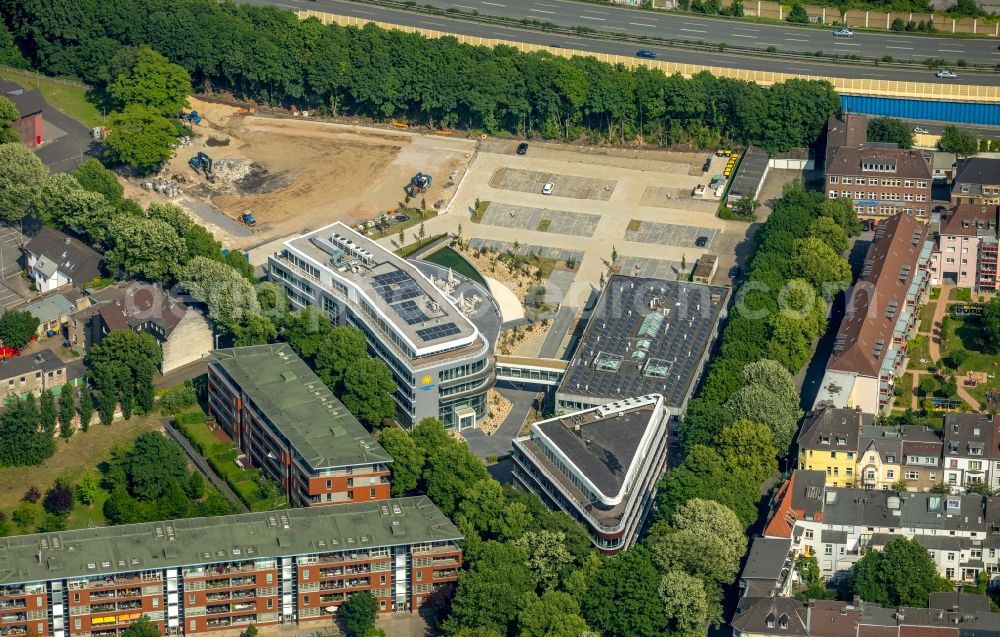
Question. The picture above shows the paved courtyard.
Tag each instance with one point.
(654, 268)
(541, 219)
(559, 254)
(671, 234)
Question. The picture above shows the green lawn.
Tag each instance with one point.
(918, 351)
(83, 451)
(70, 99)
(927, 317)
(960, 294)
(964, 334)
(935, 294)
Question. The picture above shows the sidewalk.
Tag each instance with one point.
(202, 465)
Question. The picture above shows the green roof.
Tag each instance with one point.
(197, 541)
(300, 406)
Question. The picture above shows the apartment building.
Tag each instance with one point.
(882, 314)
(644, 336)
(828, 442)
(966, 252)
(977, 181)
(961, 532)
(948, 615)
(441, 362)
(882, 182)
(600, 466)
(851, 451)
(969, 445)
(201, 575)
(286, 421)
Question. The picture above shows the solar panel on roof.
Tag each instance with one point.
(410, 312)
(395, 286)
(438, 331)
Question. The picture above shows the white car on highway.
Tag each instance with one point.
(843, 33)
(945, 74)
(920, 131)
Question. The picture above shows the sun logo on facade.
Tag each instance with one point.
(426, 380)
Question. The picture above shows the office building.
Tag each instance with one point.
(441, 362)
(600, 466)
(881, 182)
(201, 575)
(882, 316)
(644, 336)
(287, 422)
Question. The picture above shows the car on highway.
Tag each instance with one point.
(920, 131)
(522, 148)
(547, 188)
(945, 74)
(645, 53)
(843, 33)
(701, 242)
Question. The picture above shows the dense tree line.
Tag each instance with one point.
(150, 481)
(267, 54)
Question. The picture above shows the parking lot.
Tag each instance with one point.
(563, 185)
(654, 268)
(541, 219)
(671, 234)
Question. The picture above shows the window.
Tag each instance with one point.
(371, 493)
(828, 549)
(305, 575)
(850, 455)
(193, 624)
(350, 495)
(381, 579)
(76, 597)
(270, 602)
(420, 575)
(809, 534)
(191, 599)
(270, 578)
(949, 573)
(848, 180)
(912, 475)
(834, 179)
(329, 484)
(890, 474)
(305, 600)
(78, 624)
(381, 604)
(156, 602)
(975, 465)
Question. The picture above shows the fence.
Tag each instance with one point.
(848, 86)
(7, 71)
(862, 18)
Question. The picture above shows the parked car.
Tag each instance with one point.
(734, 272)
(945, 74)
(522, 148)
(701, 242)
(547, 188)
(645, 53)
(843, 33)
(920, 131)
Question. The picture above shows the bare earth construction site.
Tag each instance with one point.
(297, 174)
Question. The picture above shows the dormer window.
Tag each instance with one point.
(783, 621)
(891, 459)
(824, 440)
(770, 620)
(841, 441)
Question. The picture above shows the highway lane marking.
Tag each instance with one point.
(745, 29)
(694, 30)
(641, 24)
(462, 6)
(364, 12)
(551, 6)
(951, 50)
(592, 11)
(905, 48)
(587, 17)
(494, 4)
(437, 24)
(795, 40)
(845, 44)
(738, 35)
(541, 11)
(798, 68)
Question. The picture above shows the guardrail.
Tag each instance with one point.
(850, 86)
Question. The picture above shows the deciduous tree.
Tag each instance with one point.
(407, 459)
(368, 389)
(343, 346)
(16, 328)
(139, 137)
(891, 130)
(145, 248)
(8, 115)
(22, 174)
(554, 614)
(358, 614)
(622, 599)
(687, 605)
(142, 76)
(902, 574)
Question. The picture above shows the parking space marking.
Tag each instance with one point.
(671, 234)
(542, 220)
(563, 185)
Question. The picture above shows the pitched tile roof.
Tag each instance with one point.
(71, 256)
(908, 164)
(865, 334)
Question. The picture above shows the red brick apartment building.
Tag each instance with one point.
(881, 182)
(287, 422)
(205, 574)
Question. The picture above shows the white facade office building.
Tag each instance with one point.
(440, 361)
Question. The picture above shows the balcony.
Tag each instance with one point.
(448, 574)
(230, 582)
(218, 609)
(12, 603)
(9, 631)
(13, 617)
(12, 591)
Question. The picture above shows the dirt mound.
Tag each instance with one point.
(259, 181)
(215, 142)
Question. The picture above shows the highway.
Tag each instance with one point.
(804, 66)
